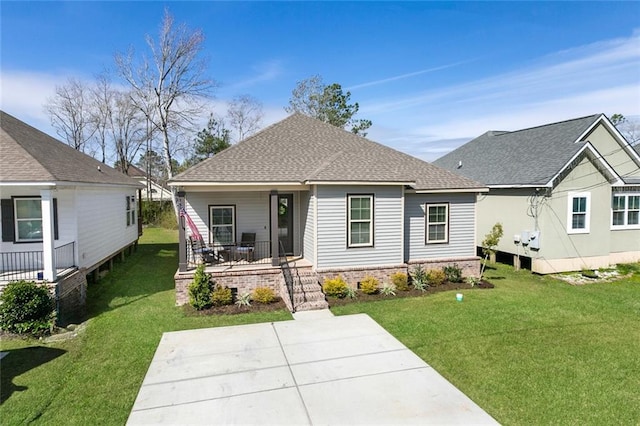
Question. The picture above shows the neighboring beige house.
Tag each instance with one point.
(330, 201)
(567, 194)
(62, 212)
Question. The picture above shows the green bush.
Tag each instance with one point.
(453, 273)
(167, 219)
(388, 290)
(336, 287)
(263, 295)
(200, 289)
(221, 296)
(436, 277)
(400, 280)
(419, 278)
(369, 285)
(26, 308)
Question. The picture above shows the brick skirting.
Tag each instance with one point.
(245, 281)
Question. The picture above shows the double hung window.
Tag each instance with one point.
(360, 220)
(437, 223)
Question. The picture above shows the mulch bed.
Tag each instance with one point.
(412, 292)
(276, 305)
(279, 304)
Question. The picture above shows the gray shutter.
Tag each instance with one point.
(8, 230)
(55, 218)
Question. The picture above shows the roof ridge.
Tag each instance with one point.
(505, 132)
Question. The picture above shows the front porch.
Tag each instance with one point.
(30, 265)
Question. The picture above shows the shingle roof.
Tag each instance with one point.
(29, 155)
(300, 149)
(524, 157)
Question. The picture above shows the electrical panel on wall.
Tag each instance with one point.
(534, 240)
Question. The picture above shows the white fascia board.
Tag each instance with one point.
(243, 188)
(599, 158)
(203, 183)
(517, 186)
(453, 190)
(63, 184)
(616, 134)
(359, 183)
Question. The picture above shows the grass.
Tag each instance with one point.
(533, 350)
(94, 378)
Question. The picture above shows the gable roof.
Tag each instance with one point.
(31, 156)
(525, 157)
(303, 150)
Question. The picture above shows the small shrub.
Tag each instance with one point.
(400, 281)
(26, 308)
(200, 289)
(628, 268)
(453, 273)
(369, 285)
(263, 295)
(473, 281)
(244, 300)
(221, 296)
(436, 277)
(388, 290)
(419, 278)
(352, 293)
(336, 287)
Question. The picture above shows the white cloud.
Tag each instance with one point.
(261, 73)
(597, 78)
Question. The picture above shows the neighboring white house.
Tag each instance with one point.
(337, 202)
(567, 193)
(152, 191)
(61, 210)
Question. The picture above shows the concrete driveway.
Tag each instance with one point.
(317, 369)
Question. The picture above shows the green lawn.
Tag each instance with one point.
(95, 379)
(531, 351)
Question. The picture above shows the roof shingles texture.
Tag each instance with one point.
(524, 157)
(299, 149)
(29, 155)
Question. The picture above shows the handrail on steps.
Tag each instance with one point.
(286, 272)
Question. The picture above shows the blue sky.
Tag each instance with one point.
(430, 75)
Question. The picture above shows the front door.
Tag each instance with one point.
(285, 222)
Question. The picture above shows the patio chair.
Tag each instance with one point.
(200, 251)
(246, 247)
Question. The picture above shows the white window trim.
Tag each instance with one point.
(233, 222)
(16, 220)
(587, 218)
(131, 211)
(626, 211)
(349, 221)
(427, 223)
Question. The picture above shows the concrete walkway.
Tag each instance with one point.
(317, 369)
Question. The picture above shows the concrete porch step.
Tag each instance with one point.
(312, 305)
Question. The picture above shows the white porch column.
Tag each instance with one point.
(48, 248)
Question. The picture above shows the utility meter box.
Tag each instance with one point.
(524, 238)
(534, 240)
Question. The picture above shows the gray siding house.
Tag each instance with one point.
(63, 213)
(330, 201)
(567, 193)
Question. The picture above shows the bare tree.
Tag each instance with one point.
(170, 85)
(306, 97)
(70, 114)
(128, 130)
(244, 116)
(628, 127)
(101, 102)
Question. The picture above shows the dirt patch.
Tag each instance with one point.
(412, 292)
(276, 305)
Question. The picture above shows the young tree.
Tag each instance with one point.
(128, 131)
(490, 244)
(101, 101)
(170, 85)
(70, 114)
(327, 103)
(244, 116)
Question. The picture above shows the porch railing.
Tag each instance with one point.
(255, 253)
(28, 265)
